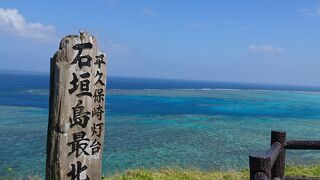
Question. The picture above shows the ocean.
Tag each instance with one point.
(153, 123)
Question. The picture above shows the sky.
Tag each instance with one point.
(274, 42)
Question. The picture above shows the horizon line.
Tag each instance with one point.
(10, 71)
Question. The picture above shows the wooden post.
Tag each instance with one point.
(77, 110)
(279, 164)
(260, 166)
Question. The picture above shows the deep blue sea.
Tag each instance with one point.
(154, 123)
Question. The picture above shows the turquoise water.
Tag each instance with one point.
(199, 128)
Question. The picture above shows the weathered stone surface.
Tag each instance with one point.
(77, 110)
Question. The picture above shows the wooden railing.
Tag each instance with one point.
(270, 165)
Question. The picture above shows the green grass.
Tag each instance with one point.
(311, 170)
(188, 174)
(175, 174)
(194, 174)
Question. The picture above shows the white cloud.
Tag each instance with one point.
(261, 48)
(148, 12)
(118, 48)
(11, 21)
(310, 12)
